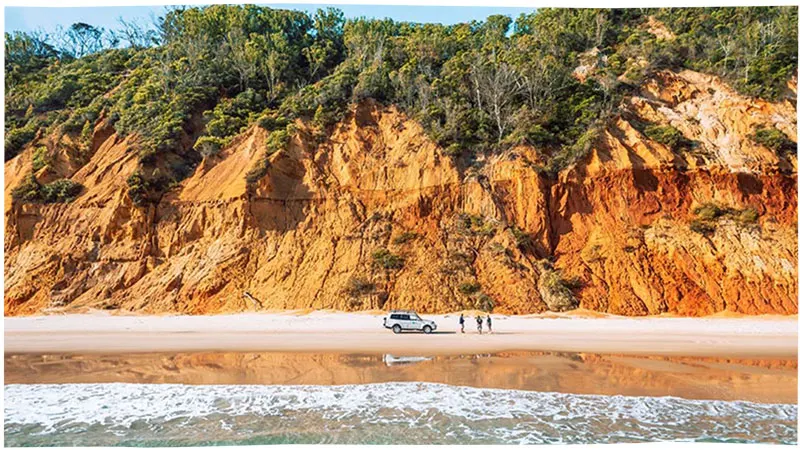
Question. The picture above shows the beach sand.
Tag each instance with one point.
(336, 332)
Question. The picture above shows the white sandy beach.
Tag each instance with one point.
(323, 331)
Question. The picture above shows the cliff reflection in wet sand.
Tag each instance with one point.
(769, 381)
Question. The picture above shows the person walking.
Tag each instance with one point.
(489, 323)
(461, 322)
(480, 324)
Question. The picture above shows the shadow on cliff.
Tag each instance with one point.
(749, 184)
(567, 198)
(285, 199)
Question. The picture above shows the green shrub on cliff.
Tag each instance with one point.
(709, 211)
(257, 172)
(358, 286)
(17, 138)
(773, 139)
(59, 191)
(484, 302)
(279, 139)
(385, 259)
(138, 188)
(40, 158)
(553, 289)
(707, 214)
(667, 135)
(29, 191)
(469, 288)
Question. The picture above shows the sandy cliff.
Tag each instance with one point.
(612, 233)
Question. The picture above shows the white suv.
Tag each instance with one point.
(407, 320)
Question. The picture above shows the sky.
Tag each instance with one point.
(47, 19)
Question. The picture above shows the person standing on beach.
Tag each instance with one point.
(489, 323)
(480, 324)
(461, 322)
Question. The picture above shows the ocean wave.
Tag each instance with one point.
(409, 413)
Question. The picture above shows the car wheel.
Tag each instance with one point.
(427, 329)
(397, 329)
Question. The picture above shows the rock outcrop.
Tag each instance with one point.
(378, 217)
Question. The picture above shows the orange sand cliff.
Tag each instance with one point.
(616, 225)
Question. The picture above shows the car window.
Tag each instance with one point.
(397, 317)
(405, 317)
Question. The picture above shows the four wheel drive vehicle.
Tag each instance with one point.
(392, 360)
(407, 320)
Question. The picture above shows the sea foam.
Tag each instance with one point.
(372, 413)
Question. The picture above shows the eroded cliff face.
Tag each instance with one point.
(613, 233)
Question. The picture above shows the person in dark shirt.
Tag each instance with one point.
(480, 324)
(489, 322)
(461, 322)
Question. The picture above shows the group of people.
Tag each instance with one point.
(479, 321)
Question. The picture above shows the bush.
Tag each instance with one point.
(667, 135)
(567, 155)
(279, 139)
(473, 224)
(524, 240)
(453, 150)
(359, 286)
(86, 134)
(59, 191)
(747, 216)
(138, 188)
(709, 211)
(405, 237)
(483, 302)
(702, 227)
(469, 288)
(40, 158)
(553, 289)
(383, 258)
(29, 191)
(17, 138)
(258, 172)
(209, 145)
(773, 139)
(232, 115)
(272, 120)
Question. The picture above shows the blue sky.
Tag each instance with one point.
(34, 18)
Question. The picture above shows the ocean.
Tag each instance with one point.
(128, 414)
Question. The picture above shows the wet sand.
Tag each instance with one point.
(326, 332)
(767, 381)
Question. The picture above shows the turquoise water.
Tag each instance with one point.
(109, 414)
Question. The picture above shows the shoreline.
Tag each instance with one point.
(761, 381)
(335, 332)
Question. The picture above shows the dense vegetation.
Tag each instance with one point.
(202, 75)
(753, 48)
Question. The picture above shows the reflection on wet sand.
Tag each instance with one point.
(768, 381)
